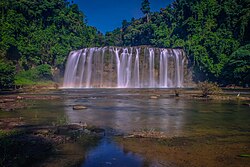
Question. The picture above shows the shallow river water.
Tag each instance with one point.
(126, 110)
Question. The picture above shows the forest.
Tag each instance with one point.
(36, 37)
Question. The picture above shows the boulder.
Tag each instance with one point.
(153, 97)
(79, 107)
(19, 97)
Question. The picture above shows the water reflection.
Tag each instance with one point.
(122, 110)
(108, 153)
(126, 111)
(130, 114)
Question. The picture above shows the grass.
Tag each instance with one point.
(27, 82)
(40, 75)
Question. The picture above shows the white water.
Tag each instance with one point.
(128, 67)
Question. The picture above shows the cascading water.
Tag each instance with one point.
(128, 67)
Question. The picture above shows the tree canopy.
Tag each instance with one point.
(213, 33)
(145, 8)
(38, 32)
(210, 31)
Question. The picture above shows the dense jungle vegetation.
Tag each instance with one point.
(36, 37)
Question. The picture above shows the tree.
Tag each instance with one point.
(210, 32)
(38, 32)
(114, 38)
(145, 8)
(7, 72)
(208, 88)
(237, 70)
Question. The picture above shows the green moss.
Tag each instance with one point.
(9, 133)
(245, 155)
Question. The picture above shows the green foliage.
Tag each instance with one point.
(208, 88)
(145, 8)
(42, 32)
(39, 73)
(238, 68)
(44, 72)
(7, 72)
(213, 33)
(209, 31)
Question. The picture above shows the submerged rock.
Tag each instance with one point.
(153, 97)
(79, 107)
(8, 100)
(246, 104)
(19, 98)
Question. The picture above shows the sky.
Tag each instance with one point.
(106, 15)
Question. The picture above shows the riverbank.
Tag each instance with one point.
(67, 144)
(15, 101)
(24, 144)
(231, 150)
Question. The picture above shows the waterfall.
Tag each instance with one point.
(163, 68)
(136, 70)
(151, 68)
(125, 67)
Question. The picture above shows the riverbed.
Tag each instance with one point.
(148, 127)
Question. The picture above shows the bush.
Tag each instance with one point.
(39, 73)
(44, 72)
(209, 88)
(7, 72)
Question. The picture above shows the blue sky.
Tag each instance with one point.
(106, 15)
